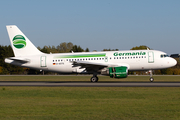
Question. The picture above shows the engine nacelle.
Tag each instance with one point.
(118, 72)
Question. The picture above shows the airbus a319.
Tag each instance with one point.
(115, 64)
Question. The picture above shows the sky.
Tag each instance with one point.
(95, 24)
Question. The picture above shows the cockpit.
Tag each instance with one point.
(164, 55)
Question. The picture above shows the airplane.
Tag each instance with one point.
(115, 64)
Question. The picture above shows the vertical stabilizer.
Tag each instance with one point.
(21, 45)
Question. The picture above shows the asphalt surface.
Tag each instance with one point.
(89, 84)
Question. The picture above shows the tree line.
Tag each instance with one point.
(7, 69)
(63, 48)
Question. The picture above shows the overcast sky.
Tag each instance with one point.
(95, 24)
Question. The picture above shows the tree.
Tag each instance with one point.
(87, 50)
(64, 47)
(141, 47)
(76, 48)
(110, 49)
(5, 52)
(45, 49)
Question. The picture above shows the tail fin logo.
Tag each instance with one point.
(19, 41)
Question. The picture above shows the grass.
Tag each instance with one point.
(80, 103)
(162, 78)
(89, 103)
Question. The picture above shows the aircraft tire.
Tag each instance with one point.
(94, 79)
(151, 79)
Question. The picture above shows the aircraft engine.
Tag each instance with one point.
(116, 72)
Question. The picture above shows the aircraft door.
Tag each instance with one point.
(150, 57)
(43, 61)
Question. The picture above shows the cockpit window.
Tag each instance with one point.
(164, 55)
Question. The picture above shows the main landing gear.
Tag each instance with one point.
(151, 78)
(94, 78)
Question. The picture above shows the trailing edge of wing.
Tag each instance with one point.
(91, 64)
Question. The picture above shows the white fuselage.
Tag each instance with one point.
(132, 59)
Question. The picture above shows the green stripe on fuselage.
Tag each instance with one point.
(81, 56)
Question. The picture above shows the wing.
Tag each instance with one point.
(90, 66)
(94, 66)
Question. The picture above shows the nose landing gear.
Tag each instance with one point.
(151, 78)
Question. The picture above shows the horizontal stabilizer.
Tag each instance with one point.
(20, 60)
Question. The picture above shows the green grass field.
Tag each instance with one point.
(99, 103)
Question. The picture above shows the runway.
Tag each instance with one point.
(89, 84)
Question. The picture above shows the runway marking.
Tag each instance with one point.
(89, 84)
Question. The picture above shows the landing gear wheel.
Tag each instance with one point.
(94, 79)
(151, 79)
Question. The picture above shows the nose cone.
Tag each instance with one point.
(173, 62)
